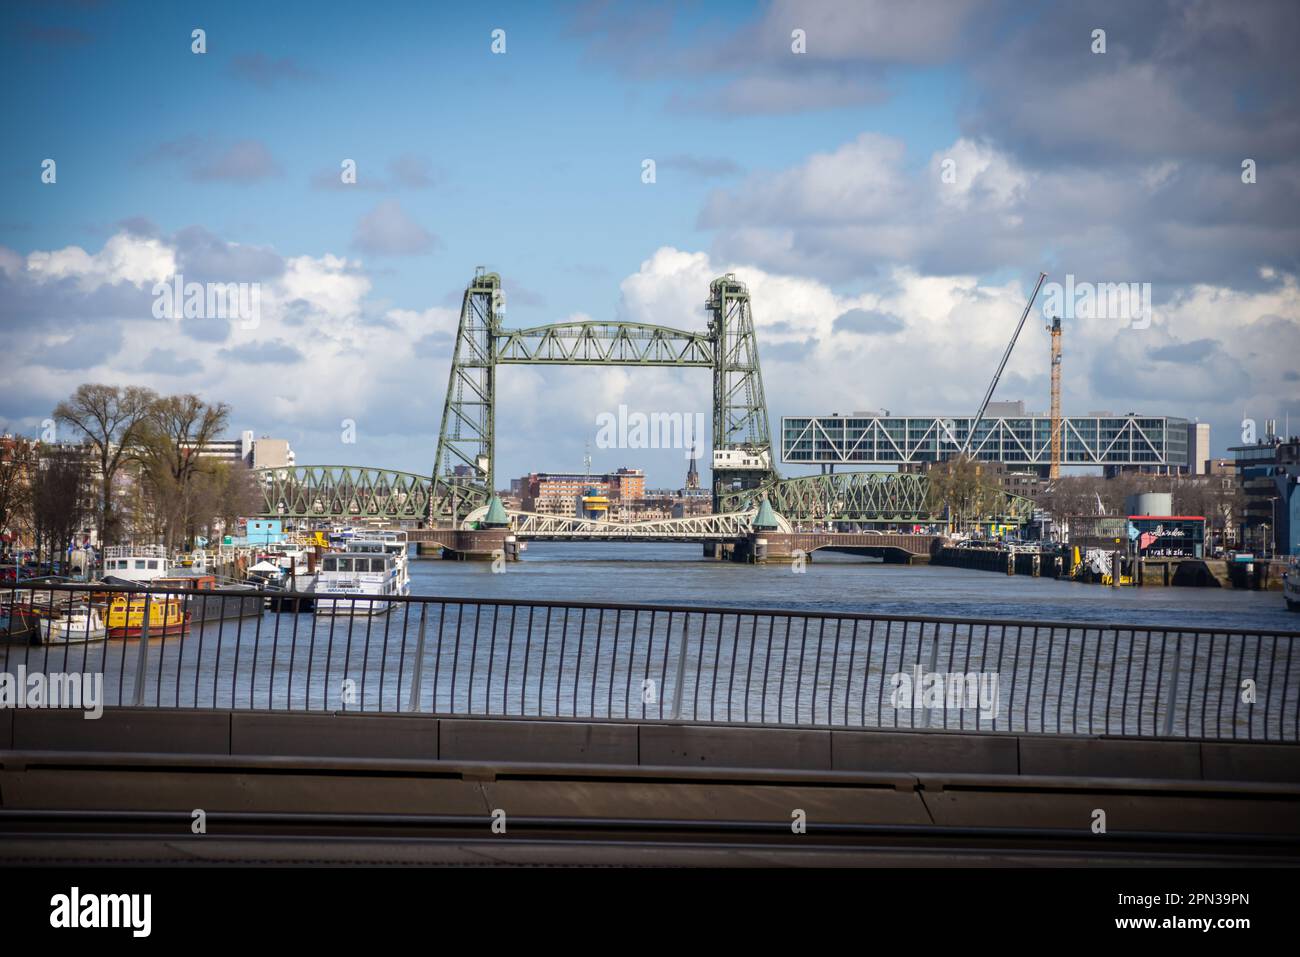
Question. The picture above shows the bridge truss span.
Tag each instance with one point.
(726, 527)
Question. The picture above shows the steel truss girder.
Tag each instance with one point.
(724, 527)
(866, 497)
(342, 492)
(605, 343)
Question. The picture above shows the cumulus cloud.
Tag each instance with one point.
(387, 230)
(324, 353)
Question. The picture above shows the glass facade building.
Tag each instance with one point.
(1026, 440)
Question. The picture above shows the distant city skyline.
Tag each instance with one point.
(888, 183)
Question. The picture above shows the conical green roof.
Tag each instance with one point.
(766, 518)
(496, 514)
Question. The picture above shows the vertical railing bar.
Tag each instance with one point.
(645, 672)
(577, 670)
(234, 669)
(749, 662)
(835, 664)
(1268, 697)
(546, 647)
(680, 678)
(1173, 684)
(473, 656)
(1047, 677)
(559, 679)
(866, 677)
(1236, 691)
(767, 668)
(848, 680)
(1128, 680)
(731, 671)
(437, 654)
(401, 658)
(595, 664)
(455, 654)
(142, 654)
(663, 668)
(717, 666)
(817, 674)
(417, 669)
(613, 664)
(528, 650)
(884, 670)
(699, 666)
(1160, 674)
(257, 644)
(631, 663)
(275, 650)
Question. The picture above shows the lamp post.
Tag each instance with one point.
(1272, 504)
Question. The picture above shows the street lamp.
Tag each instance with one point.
(1272, 504)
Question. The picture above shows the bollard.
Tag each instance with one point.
(1116, 569)
(1037, 564)
(1011, 563)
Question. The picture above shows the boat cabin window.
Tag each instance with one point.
(139, 563)
(376, 564)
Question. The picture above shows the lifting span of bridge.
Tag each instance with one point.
(464, 473)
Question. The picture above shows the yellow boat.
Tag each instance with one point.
(167, 616)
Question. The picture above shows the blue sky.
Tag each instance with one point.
(812, 177)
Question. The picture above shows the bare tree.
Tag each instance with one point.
(58, 494)
(17, 471)
(176, 430)
(110, 418)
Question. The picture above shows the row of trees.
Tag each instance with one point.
(966, 491)
(133, 470)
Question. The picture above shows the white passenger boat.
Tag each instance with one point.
(358, 581)
(79, 623)
(390, 543)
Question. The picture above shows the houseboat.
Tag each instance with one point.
(167, 616)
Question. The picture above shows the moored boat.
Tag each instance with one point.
(167, 616)
(79, 623)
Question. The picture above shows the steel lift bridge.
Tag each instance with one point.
(464, 469)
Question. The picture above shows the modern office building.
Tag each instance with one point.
(1007, 433)
(1268, 472)
(263, 452)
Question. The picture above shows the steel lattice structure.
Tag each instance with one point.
(725, 527)
(465, 466)
(341, 492)
(865, 497)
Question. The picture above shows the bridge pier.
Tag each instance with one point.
(482, 545)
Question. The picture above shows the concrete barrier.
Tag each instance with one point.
(550, 741)
(123, 729)
(712, 746)
(1109, 757)
(920, 751)
(334, 735)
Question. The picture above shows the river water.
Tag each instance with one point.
(1146, 661)
(675, 574)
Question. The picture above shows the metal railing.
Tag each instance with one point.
(460, 656)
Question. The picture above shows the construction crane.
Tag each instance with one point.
(970, 436)
(1054, 470)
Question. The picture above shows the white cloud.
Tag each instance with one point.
(124, 258)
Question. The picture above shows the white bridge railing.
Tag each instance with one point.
(725, 527)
